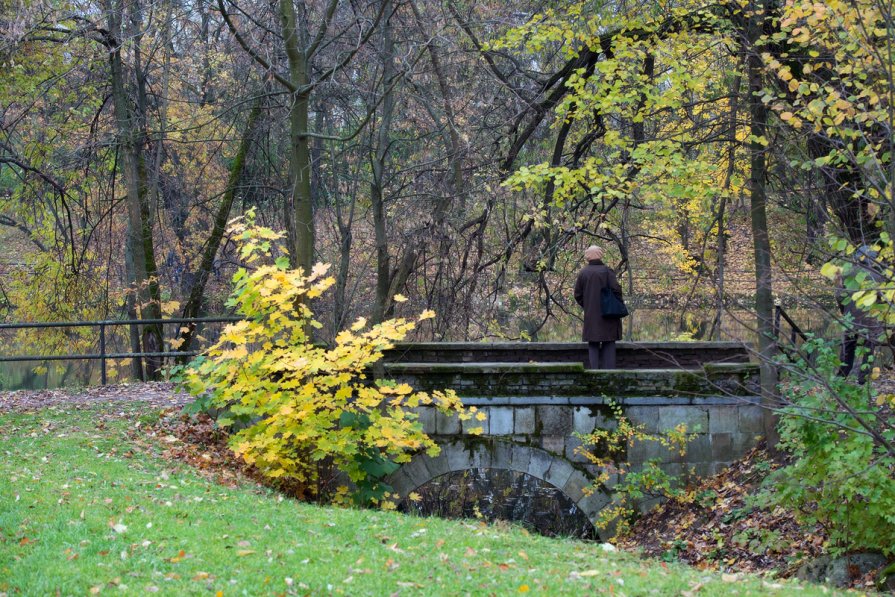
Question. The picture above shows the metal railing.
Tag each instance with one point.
(103, 356)
(795, 332)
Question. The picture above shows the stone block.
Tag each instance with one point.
(401, 482)
(524, 420)
(500, 420)
(446, 424)
(481, 457)
(520, 458)
(502, 455)
(559, 472)
(701, 469)
(417, 472)
(438, 465)
(575, 485)
(700, 449)
(695, 418)
(427, 419)
(472, 423)
(553, 444)
(647, 416)
(722, 446)
(743, 442)
(539, 463)
(574, 450)
(584, 420)
(648, 504)
(457, 456)
(593, 503)
(750, 419)
(717, 467)
(554, 420)
(641, 451)
(675, 470)
(611, 481)
(723, 419)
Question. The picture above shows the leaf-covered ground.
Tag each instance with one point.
(723, 529)
(85, 510)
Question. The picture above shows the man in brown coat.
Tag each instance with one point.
(599, 333)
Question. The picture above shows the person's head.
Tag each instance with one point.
(593, 252)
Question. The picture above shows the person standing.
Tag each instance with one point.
(599, 332)
(862, 329)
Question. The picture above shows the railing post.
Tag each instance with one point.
(102, 353)
(777, 309)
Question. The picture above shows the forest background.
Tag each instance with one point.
(461, 154)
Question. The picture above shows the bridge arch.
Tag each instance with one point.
(466, 454)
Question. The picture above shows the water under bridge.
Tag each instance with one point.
(537, 396)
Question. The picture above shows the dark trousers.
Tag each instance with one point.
(850, 343)
(601, 354)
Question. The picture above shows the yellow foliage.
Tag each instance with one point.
(303, 404)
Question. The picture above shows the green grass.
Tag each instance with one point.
(81, 514)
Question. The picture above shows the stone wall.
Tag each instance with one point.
(725, 427)
(535, 410)
(630, 355)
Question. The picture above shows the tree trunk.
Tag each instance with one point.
(300, 212)
(377, 187)
(764, 299)
(129, 119)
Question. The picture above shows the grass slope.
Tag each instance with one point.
(82, 513)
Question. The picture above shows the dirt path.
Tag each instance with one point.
(160, 394)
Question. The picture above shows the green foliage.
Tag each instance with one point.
(297, 406)
(605, 448)
(843, 474)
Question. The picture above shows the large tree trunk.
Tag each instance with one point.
(300, 212)
(764, 298)
(377, 187)
(130, 121)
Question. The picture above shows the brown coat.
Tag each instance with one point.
(593, 278)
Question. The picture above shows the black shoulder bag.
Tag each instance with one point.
(612, 306)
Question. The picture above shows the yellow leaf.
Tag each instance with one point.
(359, 324)
(400, 298)
(523, 588)
(319, 269)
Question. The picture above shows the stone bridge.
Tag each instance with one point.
(537, 396)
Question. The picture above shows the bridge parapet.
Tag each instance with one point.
(572, 379)
(630, 355)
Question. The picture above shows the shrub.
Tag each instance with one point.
(606, 448)
(295, 406)
(840, 435)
